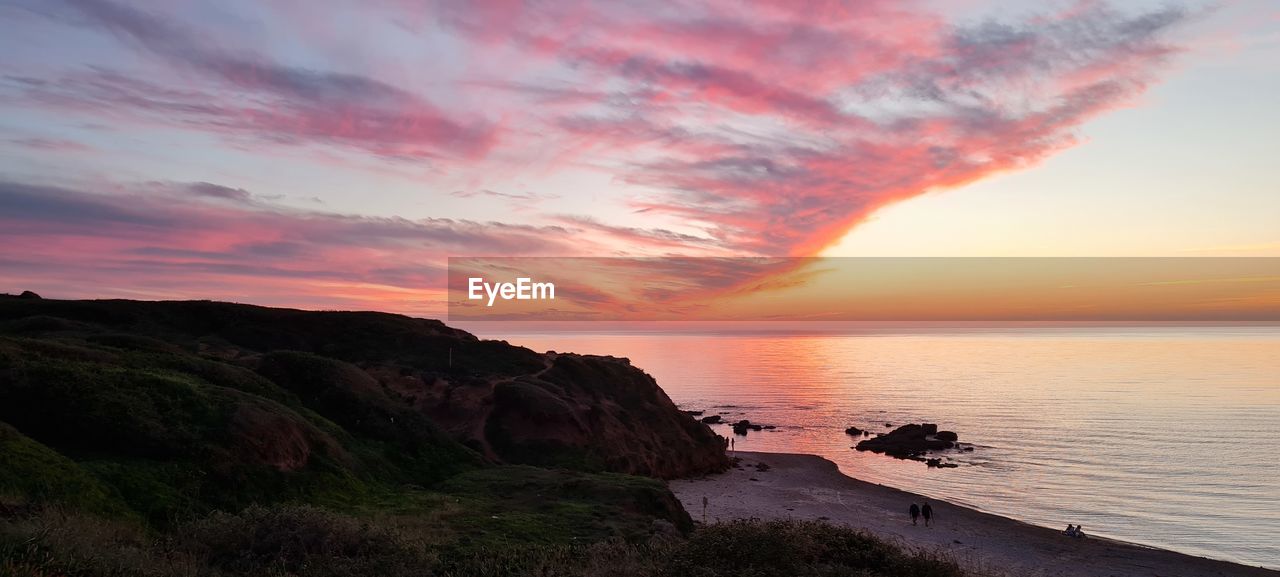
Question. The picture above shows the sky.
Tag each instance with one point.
(334, 155)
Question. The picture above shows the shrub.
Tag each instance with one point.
(301, 540)
(752, 548)
(34, 472)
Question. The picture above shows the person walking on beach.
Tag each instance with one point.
(927, 512)
(914, 511)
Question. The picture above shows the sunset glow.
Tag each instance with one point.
(335, 158)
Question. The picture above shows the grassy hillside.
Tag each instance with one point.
(166, 411)
(401, 387)
(305, 540)
(199, 438)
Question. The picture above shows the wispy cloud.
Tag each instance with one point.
(279, 102)
(51, 144)
(764, 129)
(187, 237)
(523, 200)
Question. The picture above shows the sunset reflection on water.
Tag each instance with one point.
(1152, 435)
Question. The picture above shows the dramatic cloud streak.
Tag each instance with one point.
(721, 129)
(782, 147)
(185, 239)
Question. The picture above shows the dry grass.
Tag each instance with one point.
(309, 541)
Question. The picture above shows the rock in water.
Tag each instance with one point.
(741, 427)
(910, 441)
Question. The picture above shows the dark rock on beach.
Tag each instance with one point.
(853, 431)
(712, 420)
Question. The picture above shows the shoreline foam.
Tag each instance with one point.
(811, 487)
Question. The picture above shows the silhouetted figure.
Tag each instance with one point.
(1070, 530)
(914, 511)
(1079, 532)
(927, 512)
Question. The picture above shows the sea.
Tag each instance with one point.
(1162, 436)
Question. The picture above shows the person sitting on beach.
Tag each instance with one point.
(914, 511)
(927, 512)
(1079, 534)
(1070, 531)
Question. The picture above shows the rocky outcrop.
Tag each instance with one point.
(741, 427)
(593, 412)
(910, 441)
(571, 411)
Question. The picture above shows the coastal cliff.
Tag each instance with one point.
(169, 410)
(414, 382)
(205, 438)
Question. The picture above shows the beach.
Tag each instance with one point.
(1087, 425)
(810, 487)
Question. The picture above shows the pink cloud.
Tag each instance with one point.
(766, 129)
(248, 92)
(781, 131)
(52, 144)
(219, 242)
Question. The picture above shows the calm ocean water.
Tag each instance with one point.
(1160, 436)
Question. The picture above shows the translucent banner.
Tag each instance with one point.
(864, 289)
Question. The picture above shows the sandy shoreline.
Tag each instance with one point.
(810, 487)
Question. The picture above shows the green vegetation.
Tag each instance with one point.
(160, 414)
(35, 471)
(197, 438)
(799, 548)
(304, 540)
